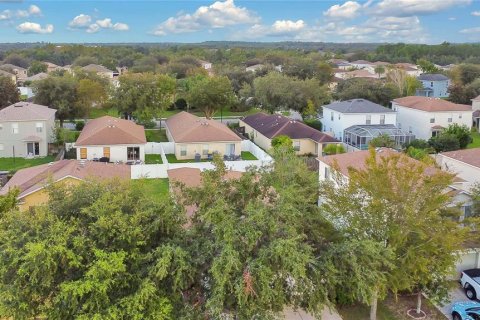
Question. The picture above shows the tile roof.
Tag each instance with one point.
(469, 156)
(96, 68)
(432, 77)
(275, 125)
(358, 106)
(38, 76)
(362, 73)
(11, 67)
(186, 127)
(111, 131)
(6, 73)
(361, 62)
(26, 111)
(31, 179)
(431, 104)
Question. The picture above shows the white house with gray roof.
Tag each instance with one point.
(338, 116)
(26, 129)
(435, 85)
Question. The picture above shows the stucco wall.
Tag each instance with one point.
(440, 88)
(117, 152)
(193, 148)
(419, 121)
(41, 196)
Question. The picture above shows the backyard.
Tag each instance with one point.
(156, 135)
(246, 155)
(157, 189)
(476, 141)
(14, 164)
(153, 159)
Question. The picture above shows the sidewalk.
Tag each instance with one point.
(290, 314)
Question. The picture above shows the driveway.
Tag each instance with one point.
(456, 294)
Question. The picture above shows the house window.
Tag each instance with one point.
(296, 145)
(14, 128)
(399, 125)
(1, 147)
(368, 119)
(230, 149)
(33, 148)
(467, 211)
(331, 116)
(410, 129)
(39, 127)
(1, 127)
(83, 153)
(431, 84)
(183, 151)
(459, 117)
(133, 153)
(205, 150)
(432, 120)
(339, 116)
(382, 119)
(450, 119)
(327, 173)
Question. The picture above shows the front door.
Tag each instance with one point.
(33, 148)
(133, 153)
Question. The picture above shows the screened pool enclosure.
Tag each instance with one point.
(359, 136)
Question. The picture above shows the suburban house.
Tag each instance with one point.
(361, 73)
(357, 160)
(409, 68)
(340, 64)
(52, 67)
(111, 138)
(195, 137)
(262, 128)
(255, 68)
(99, 70)
(26, 129)
(19, 72)
(362, 64)
(357, 121)
(36, 77)
(434, 85)
(32, 181)
(9, 75)
(476, 112)
(464, 163)
(205, 64)
(426, 117)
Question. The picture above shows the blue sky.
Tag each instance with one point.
(417, 21)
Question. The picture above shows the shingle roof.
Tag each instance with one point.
(111, 131)
(432, 77)
(361, 62)
(96, 68)
(34, 178)
(185, 127)
(431, 104)
(26, 111)
(358, 106)
(362, 73)
(38, 76)
(470, 156)
(6, 73)
(11, 66)
(275, 125)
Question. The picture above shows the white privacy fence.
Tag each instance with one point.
(150, 171)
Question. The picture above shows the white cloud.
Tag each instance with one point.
(84, 21)
(5, 15)
(220, 14)
(402, 8)
(31, 27)
(470, 30)
(476, 13)
(80, 21)
(280, 28)
(452, 18)
(34, 10)
(348, 10)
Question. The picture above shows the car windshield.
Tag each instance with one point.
(474, 309)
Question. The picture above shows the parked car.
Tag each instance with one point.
(470, 280)
(467, 310)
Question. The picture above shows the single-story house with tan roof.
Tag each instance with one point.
(99, 70)
(262, 128)
(112, 138)
(197, 136)
(425, 117)
(31, 181)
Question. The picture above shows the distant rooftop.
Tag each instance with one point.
(25, 111)
(432, 77)
(358, 106)
(431, 104)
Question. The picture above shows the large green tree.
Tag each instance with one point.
(375, 91)
(96, 251)
(210, 94)
(401, 203)
(9, 93)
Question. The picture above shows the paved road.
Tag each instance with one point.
(455, 295)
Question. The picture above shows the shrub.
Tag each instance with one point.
(314, 123)
(382, 140)
(79, 125)
(444, 142)
(334, 149)
(418, 144)
(181, 104)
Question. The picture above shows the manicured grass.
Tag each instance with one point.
(362, 312)
(157, 189)
(156, 135)
(476, 141)
(173, 159)
(99, 112)
(71, 136)
(153, 159)
(10, 164)
(247, 155)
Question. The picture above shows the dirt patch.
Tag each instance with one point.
(402, 304)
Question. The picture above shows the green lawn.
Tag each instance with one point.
(156, 135)
(11, 164)
(153, 159)
(362, 312)
(156, 188)
(99, 112)
(476, 141)
(71, 136)
(247, 155)
(173, 159)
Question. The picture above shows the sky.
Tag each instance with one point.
(411, 21)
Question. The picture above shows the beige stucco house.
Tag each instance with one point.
(197, 136)
(262, 128)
